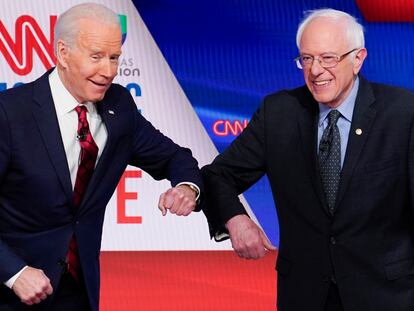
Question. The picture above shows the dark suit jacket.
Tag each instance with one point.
(368, 245)
(37, 219)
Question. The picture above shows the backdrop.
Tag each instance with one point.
(197, 70)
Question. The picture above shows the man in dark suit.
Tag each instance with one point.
(65, 140)
(339, 155)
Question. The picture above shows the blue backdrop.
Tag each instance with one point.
(228, 54)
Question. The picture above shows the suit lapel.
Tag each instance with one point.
(363, 116)
(308, 127)
(44, 114)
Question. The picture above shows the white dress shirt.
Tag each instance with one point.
(65, 105)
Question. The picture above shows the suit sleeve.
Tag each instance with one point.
(159, 156)
(235, 170)
(411, 167)
(10, 263)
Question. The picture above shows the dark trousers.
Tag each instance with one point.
(333, 302)
(70, 295)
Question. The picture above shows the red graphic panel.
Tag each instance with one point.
(387, 10)
(187, 281)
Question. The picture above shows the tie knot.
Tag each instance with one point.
(81, 110)
(333, 116)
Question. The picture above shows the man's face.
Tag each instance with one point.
(330, 86)
(89, 67)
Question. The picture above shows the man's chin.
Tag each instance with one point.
(97, 97)
(323, 99)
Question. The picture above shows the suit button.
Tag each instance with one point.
(333, 240)
(325, 279)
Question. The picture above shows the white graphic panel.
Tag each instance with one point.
(133, 221)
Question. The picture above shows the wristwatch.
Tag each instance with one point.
(194, 189)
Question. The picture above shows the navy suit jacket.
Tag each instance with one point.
(368, 244)
(37, 218)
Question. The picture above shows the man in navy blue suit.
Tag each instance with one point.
(46, 204)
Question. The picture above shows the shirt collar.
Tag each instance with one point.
(64, 101)
(346, 108)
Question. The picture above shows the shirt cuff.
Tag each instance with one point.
(10, 282)
(192, 184)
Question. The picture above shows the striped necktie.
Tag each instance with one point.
(87, 160)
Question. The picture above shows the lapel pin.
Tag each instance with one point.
(358, 132)
(111, 112)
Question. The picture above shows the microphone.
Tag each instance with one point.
(81, 136)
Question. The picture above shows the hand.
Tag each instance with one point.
(247, 239)
(178, 200)
(32, 286)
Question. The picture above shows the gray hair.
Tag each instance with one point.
(354, 30)
(67, 25)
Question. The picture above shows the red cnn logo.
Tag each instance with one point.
(29, 38)
(226, 127)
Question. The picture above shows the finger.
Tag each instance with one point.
(238, 253)
(49, 289)
(187, 205)
(266, 242)
(36, 300)
(240, 249)
(169, 198)
(42, 296)
(161, 205)
(256, 251)
(176, 205)
(27, 302)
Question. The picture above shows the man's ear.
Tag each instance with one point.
(359, 59)
(62, 52)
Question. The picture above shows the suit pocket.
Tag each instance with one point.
(382, 165)
(399, 269)
(282, 266)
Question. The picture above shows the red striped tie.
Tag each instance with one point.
(87, 160)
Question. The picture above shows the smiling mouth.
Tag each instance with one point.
(321, 83)
(99, 84)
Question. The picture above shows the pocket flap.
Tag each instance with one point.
(398, 269)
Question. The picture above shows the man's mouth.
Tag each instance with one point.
(99, 84)
(321, 83)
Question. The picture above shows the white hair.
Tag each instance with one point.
(67, 25)
(354, 30)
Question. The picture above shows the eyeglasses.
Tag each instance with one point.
(326, 60)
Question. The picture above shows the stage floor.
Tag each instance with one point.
(187, 280)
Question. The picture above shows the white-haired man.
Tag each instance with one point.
(339, 155)
(65, 140)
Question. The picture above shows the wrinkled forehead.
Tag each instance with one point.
(96, 33)
(324, 34)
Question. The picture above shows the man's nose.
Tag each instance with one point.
(316, 67)
(108, 69)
